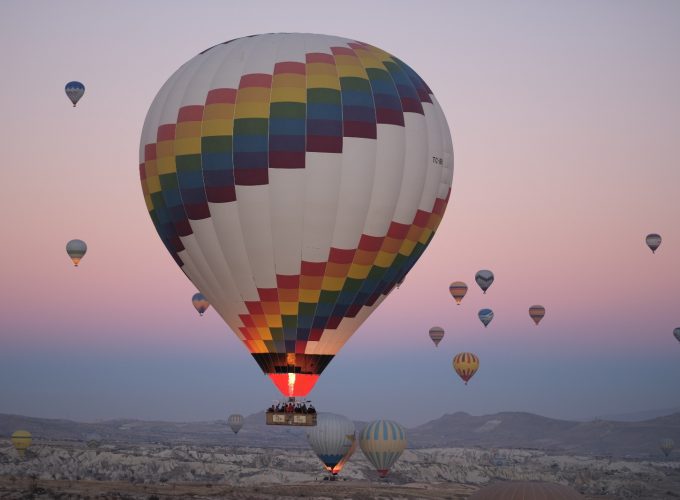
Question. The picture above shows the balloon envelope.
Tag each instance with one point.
(537, 312)
(383, 442)
(76, 250)
(21, 441)
(484, 279)
(466, 365)
(436, 334)
(485, 316)
(653, 241)
(676, 334)
(295, 179)
(333, 439)
(74, 91)
(200, 303)
(458, 289)
(666, 445)
(235, 421)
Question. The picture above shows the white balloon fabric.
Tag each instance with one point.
(235, 421)
(333, 439)
(295, 179)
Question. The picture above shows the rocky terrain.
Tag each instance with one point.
(68, 470)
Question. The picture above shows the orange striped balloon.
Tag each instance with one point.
(458, 289)
(466, 365)
(537, 312)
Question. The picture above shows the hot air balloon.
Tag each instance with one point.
(466, 365)
(200, 303)
(74, 91)
(382, 441)
(76, 250)
(485, 316)
(537, 312)
(676, 334)
(653, 241)
(526, 490)
(93, 440)
(666, 445)
(235, 421)
(484, 279)
(458, 289)
(295, 179)
(333, 439)
(436, 334)
(21, 441)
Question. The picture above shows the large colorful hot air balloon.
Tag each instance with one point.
(466, 365)
(235, 421)
(458, 289)
(383, 442)
(295, 179)
(653, 241)
(200, 303)
(485, 316)
(666, 446)
(537, 312)
(74, 91)
(333, 439)
(76, 250)
(484, 279)
(676, 334)
(22, 441)
(436, 334)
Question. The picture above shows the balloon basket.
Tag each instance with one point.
(291, 412)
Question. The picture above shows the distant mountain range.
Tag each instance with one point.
(500, 430)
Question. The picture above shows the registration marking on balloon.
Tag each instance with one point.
(292, 179)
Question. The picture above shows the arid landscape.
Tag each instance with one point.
(181, 463)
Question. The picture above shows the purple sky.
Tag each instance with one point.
(565, 127)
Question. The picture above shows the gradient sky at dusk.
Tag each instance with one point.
(566, 129)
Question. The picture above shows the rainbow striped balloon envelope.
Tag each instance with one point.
(295, 179)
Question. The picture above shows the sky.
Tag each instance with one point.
(566, 133)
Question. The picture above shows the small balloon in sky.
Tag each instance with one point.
(200, 303)
(676, 334)
(436, 334)
(466, 365)
(76, 250)
(653, 241)
(484, 279)
(74, 91)
(537, 312)
(485, 316)
(458, 289)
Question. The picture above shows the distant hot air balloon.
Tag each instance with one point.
(484, 279)
(537, 312)
(526, 490)
(93, 440)
(295, 179)
(436, 334)
(21, 441)
(235, 421)
(653, 241)
(676, 334)
(76, 249)
(458, 289)
(466, 365)
(383, 442)
(485, 316)
(74, 91)
(333, 439)
(200, 303)
(666, 445)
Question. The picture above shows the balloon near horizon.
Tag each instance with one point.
(295, 179)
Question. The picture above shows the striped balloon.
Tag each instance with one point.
(537, 312)
(466, 365)
(200, 303)
(295, 179)
(235, 421)
(74, 91)
(666, 445)
(333, 439)
(383, 442)
(458, 289)
(22, 441)
(436, 334)
(485, 316)
(484, 279)
(653, 241)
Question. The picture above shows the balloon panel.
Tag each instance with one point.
(295, 179)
